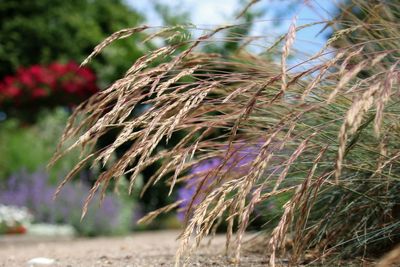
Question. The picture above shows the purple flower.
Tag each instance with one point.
(199, 172)
(35, 192)
(238, 162)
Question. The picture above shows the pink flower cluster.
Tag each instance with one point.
(57, 84)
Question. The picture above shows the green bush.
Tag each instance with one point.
(41, 31)
(31, 147)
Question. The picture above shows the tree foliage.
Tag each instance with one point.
(41, 31)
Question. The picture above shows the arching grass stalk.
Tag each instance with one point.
(327, 134)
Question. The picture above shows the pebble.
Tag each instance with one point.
(40, 262)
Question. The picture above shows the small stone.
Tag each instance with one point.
(40, 261)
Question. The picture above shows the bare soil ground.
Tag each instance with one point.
(139, 249)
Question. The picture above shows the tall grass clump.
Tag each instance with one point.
(325, 130)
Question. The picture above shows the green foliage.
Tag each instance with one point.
(42, 31)
(371, 11)
(170, 16)
(122, 206)
(31, 147)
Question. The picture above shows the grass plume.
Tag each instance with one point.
(328, 133)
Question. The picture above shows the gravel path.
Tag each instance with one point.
(139, 249)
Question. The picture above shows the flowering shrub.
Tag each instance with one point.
(202, 175)
(52, 85)
(187, 192)
(14, 219)
(34, 192)
(30, 148)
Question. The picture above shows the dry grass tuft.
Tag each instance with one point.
(327, 135)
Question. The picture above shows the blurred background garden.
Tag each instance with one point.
(42, 44)
(274, 116)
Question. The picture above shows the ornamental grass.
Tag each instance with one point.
(323, 132)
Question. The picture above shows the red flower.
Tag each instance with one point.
(41, 82)
(12, 91)
(39, 93)
(36, 71)
(72, 66)
(58, 69)
(87, 74)
(48, 78)
(71, 87)
(9, 80)
(26, 79)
